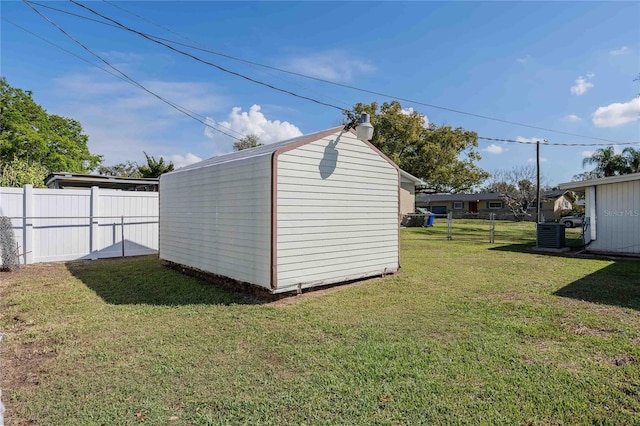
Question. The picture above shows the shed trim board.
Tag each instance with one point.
(330, 276)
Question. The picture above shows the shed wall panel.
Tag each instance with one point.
(337, 212)
(217, 219)
(618, 218)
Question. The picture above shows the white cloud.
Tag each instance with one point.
(617, 114)
(252, 122)
(587, 153)
(410, 110)
(529, 140)
(621, 51)
(335, 65)
(582, 85)
(122, 121)
(182, 160)
(524, 59)
(533, 160)
(494, 149)
(571, 118)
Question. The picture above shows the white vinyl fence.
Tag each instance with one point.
(67, 224)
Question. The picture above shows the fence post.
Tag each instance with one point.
(122, 233)
(449, 225)
(27, 234)
(93, 221)
(492, 227)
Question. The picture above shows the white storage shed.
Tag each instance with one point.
(313, 210)
(612, 213)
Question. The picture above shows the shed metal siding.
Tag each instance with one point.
(618, 218)
(217, 218)
(337, 212)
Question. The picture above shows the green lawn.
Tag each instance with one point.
(467, 333)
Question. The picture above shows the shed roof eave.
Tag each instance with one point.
(581, 185)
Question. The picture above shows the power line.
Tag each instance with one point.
(237, 74)
(386, 95)
(191, 113)
(546, 142)
(151, 36)
(173, 105)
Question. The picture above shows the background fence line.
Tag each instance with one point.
(69, 224)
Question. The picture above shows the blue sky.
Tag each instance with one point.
(564, 66)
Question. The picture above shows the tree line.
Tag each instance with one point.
(34, 143)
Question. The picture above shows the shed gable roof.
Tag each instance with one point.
(260, 150)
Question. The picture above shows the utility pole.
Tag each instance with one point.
(538, 181)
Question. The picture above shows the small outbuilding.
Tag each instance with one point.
(313, 210)
(612, 213)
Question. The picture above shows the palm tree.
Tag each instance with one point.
(632, 157)
(154, 168)
(607, 162)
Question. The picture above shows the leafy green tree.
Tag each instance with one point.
(28, 133)
(249, 141)
(607, 162)
(126, 169)
(440, 155)
(632, 158)
(154, 168)
(18, 173)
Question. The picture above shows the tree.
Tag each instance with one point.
(154, 168)
(632, 159)
(126, 169)
(440, 155)
(249, 141)
(29, 134)
(517, 189)
(587, 176)
(18, 173)
(607, 162)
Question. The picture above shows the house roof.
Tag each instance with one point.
(74, 180)
(581, 185)
(408, 177)
(258, 151)
(482, 196)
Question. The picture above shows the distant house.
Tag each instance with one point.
(408, 184)
(554, 205)
(612, 212)
(65, 180)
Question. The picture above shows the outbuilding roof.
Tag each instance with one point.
(260, 150)
(581, 185)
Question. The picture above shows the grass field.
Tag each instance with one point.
(467, 333)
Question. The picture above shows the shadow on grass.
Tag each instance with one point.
(617, 284)
(142, 280)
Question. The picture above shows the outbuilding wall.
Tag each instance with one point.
(617, 217)
(218, 219)
(337, 212)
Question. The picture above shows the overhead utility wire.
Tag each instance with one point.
(65, 50)
(173, 105)
(609, 142)
(545, 142)
(335, 83)
(237, 74)
(255, 66)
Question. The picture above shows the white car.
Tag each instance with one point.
(571, 221)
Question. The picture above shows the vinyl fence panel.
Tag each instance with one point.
(66, 224)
